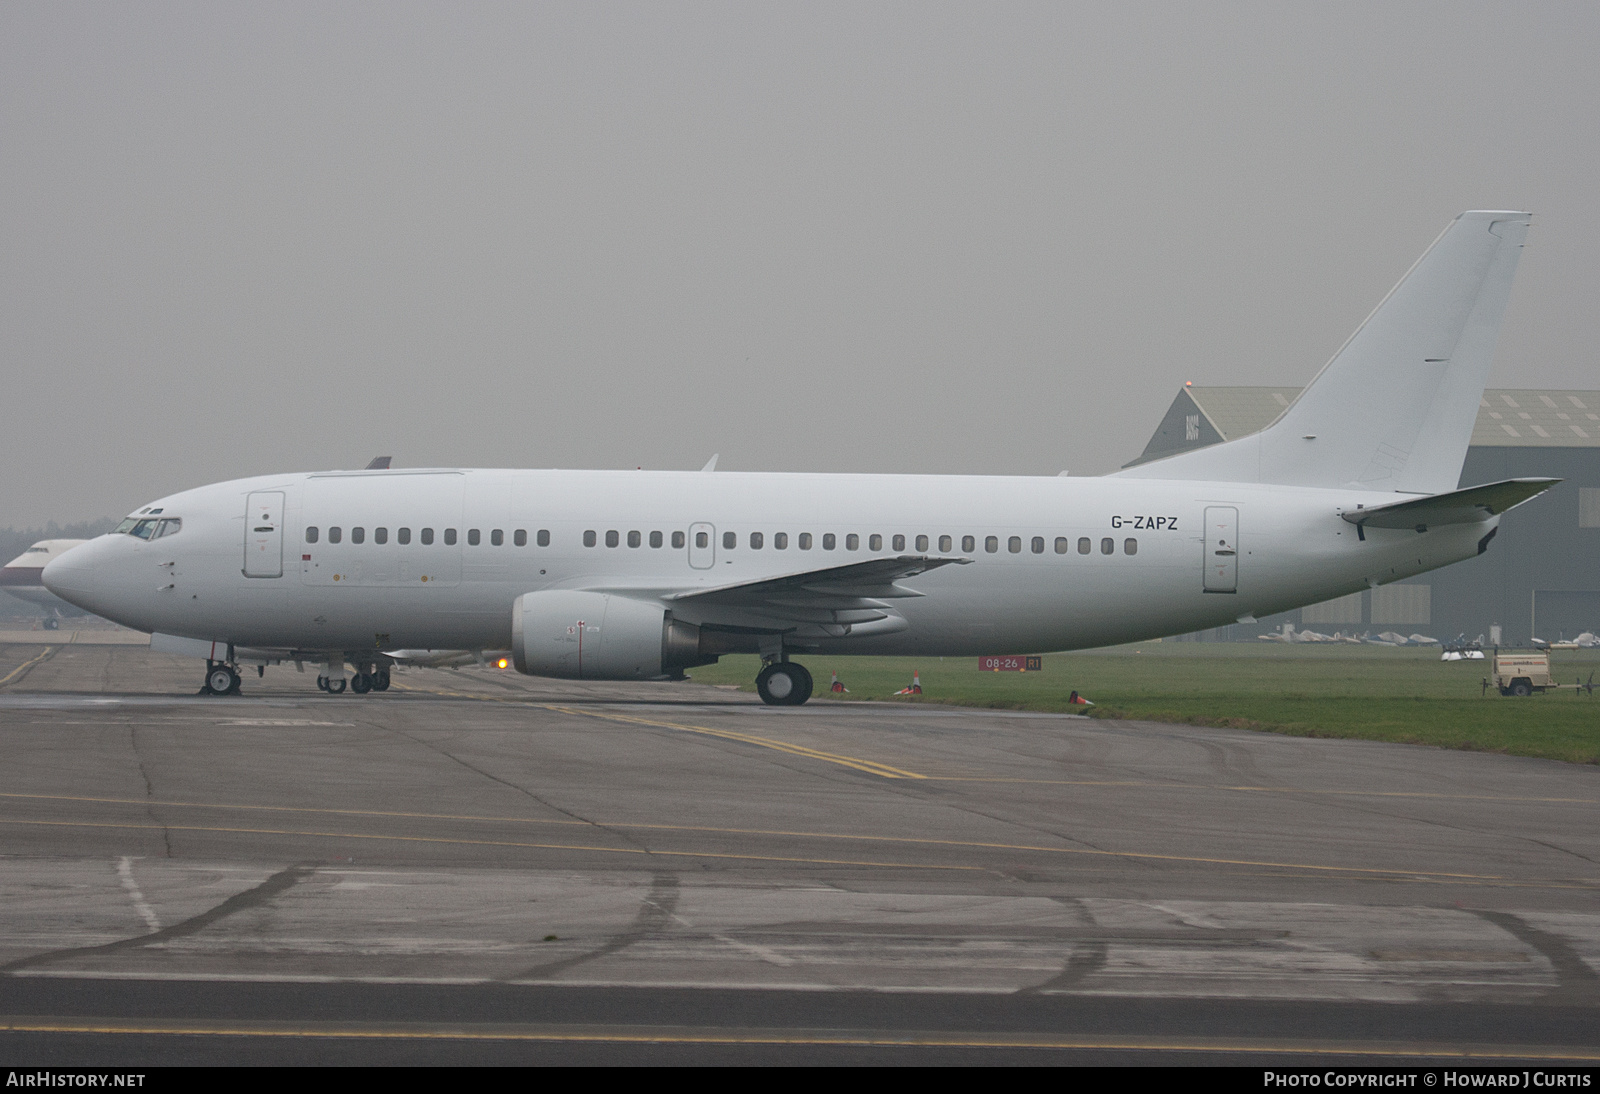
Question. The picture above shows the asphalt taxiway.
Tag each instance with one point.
(477, 866)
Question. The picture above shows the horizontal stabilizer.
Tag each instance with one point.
(1476, 503)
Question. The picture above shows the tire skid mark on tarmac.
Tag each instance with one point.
(1576, 982)
(280, 882)
(654, 917)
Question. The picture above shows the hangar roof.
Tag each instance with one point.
(1507, 418)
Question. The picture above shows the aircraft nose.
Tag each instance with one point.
(71, 576)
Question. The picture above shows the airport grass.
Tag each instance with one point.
(1366, 692)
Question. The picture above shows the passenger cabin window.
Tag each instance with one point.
(678, 541)
(922, 543)
(1037, 545)
(358, 534)
(991, 544)
(780, 541)
(852, 542)
(544, 537)
(1130, 546)
(449, 537)
(635, 539)
(804, 541)
(613, 539)
(1014, 544)
(1062, 545)
(655, 539)
(380, 535)
(427, 537)
(335, 534)
(898, 543)
(588, 538)
(473, 537)
(1083, 545)
(497, 538)
(828, 541)
(875, 543)
(729, 540)
(946, 544)
(1108, 546)
(969, 544)
(403, 536)
(756, 540)
(520, 537)
(702, 540)
(311, 534)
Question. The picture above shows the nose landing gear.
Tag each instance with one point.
(784, 684)
(221, 679)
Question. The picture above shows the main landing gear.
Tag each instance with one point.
(371, 678)
(221, 679)
(376, 679)
(784, 684)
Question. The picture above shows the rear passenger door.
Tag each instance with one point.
(1222, 549)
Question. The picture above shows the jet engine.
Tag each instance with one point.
(598, 636)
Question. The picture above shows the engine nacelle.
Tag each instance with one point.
(598, 636)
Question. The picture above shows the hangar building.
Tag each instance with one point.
(1540, 577)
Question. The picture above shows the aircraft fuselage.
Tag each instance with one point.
(1056, 563)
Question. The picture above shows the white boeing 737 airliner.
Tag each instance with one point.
(638, 575)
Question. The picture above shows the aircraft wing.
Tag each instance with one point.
(1468, 506)
(830, 587)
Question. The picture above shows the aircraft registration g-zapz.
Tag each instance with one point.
(639, 575)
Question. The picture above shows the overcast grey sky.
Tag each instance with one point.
(988, 238)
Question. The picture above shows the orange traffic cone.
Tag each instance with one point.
(837, 687)
(1078, 700)
(916, 685)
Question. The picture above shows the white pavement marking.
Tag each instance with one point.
(140, 905)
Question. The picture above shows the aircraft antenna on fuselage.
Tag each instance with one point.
(711, 464)
(379, 463)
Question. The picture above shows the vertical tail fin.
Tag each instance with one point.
(1395, 407)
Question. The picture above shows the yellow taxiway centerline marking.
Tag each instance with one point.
(747, 1036)
(490, 843)
(846, 836)
(898, 773)
(25, 666)
(872, 767)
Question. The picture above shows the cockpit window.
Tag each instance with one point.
(125, 527)
(144, 529)
(169, 527)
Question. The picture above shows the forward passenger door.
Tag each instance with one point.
(263, 534)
